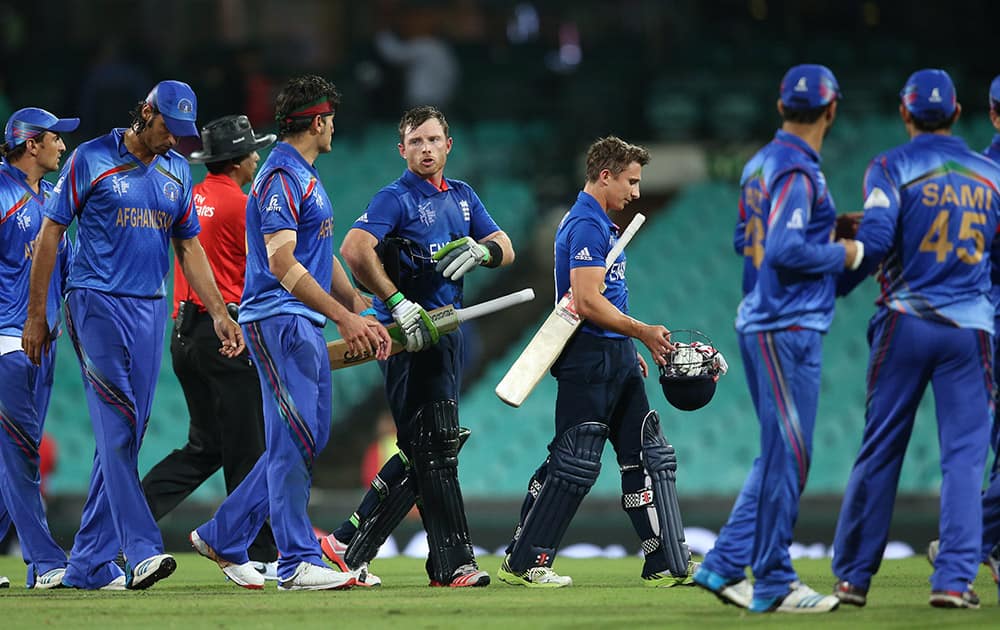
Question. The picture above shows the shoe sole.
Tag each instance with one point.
(166, 568)
(333, 556)
(718, 594)
(513, 580)
(943, 600)
(346, 585)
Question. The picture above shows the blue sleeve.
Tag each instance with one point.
(481, 224)
(383, 215)
(878, 225)
(587, 244)
(739, 234)
(787, 245)
(70, 192)
(187, 226)
(278, 203)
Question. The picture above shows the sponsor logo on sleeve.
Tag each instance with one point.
(877, 199)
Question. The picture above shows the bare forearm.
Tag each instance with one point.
(358, 251)
(597, 310)
(344, 292)
(43, 261)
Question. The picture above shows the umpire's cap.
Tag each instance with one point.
(229, 137)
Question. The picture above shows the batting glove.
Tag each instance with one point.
(459, 256)
(720, 363)
(415, 325)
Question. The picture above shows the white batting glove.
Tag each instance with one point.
(460, 256)
(415, 325)
(720, 362)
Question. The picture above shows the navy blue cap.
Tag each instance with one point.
(178, 104)
(808, 86)
(995, 92)
(31, 121)
(929, 95)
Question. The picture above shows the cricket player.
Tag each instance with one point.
(131, 195)
(932, 207)
(293, 285)
(412, 247)
(601, 393)
(781, 322)
(32, 147)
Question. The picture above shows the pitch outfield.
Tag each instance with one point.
(606, 594)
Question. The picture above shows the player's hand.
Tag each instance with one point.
(851, 253)
(229, 333)
(642, 365)
(365, 335)
(657, 339)
(415, 324)
(460, 256)
(847, 224)
(35, 338)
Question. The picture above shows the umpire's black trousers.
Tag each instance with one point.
(226, 430)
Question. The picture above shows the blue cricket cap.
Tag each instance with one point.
(808, 86)
(31, 121)
(178, 104)
(995, 93)
(929, 95)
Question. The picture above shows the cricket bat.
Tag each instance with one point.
(446, 318)
(553, 335)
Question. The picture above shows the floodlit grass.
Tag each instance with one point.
(606, 594)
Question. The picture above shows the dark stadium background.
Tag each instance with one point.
(535, 83)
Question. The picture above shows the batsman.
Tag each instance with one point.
(601, 394)
(417, 239)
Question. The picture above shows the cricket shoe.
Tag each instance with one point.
(149, 571)
(269, 570)
(245, 575)
(735, 591)
(955, 599)
(334, 550)
(532, 577)
(117, 584)
(666, 579)
(4, 582)
(312, 577)
(466, 575)
(848, 593)
(801, 599)
(50, 579)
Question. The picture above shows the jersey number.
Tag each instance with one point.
(753, 240)
(936, 240)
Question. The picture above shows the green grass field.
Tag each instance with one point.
(606, 594)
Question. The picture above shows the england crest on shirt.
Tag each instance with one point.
(466, 213)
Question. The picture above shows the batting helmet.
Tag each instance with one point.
(689, 379)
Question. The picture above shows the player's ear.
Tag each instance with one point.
(958, 113)
(402, 151)
(780, 108)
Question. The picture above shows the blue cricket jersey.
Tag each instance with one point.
(584, 238)
(414, 209)
(993, 152)
(20, 221)
(287, 194)
(126, 213)
(932, 208)
(796, 280)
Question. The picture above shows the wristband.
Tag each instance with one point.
(859, 256)
(394, 299)
(368, 311)
(496, 254)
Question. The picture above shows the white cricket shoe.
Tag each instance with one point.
(801, 599)
(117, 584)
(268, 569)
(245, 575)
(311, 577)
(50, 579)
(150, 571)
(4, 582)
(364, 577)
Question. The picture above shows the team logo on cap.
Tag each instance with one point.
(171, 191)
(935, 96)
(801, 86)
(185, 106)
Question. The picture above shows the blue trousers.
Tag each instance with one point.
(119, 342)
(783, 372)
(907, 353)
(24, 400)
(991, 496)
(289, 352)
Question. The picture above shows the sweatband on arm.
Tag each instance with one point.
(496, 253)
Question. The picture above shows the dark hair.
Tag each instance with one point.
(614, 154)
(930, 126)
(298, 94)
(138, 124)
(12, 155)
(414, 117)
(803, 116)
(220, 167)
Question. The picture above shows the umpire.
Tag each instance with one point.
(223, 394)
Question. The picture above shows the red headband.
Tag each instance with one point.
(320, 107)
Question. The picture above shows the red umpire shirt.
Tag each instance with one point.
(221, 207)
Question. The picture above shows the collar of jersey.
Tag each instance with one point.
(286, 149)
(218, 179)
(119, 136)
(591, 208)
(800, 144)
(420, 184)
(936, 138)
